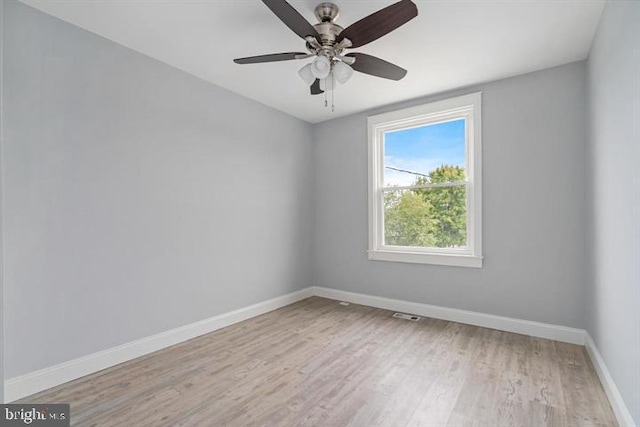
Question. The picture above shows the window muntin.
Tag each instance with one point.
(424, 165)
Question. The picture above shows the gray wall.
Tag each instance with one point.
(137, 198)
(533, 206)
(613, 297)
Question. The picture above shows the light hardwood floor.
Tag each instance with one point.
(317, 363)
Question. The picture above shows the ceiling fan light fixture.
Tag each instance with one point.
(306, 74)
(321, 67)
(327, 41)
(342, 72)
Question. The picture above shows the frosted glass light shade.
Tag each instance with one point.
(306, 74)
(342, 71)
(321, 67)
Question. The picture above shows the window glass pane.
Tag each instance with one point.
(428, 217)
(418, 155)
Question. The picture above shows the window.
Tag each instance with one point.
(425, 184)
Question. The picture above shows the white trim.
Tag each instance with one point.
(467, 107)
(621, 411)
(508, 324)
(33, 382)
(449, 259)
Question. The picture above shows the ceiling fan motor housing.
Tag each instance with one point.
(328, 30)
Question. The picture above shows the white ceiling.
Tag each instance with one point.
(450, 44)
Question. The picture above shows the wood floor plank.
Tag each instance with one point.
(402, 399)
(585, 401)
(452, 363)
(318, 363)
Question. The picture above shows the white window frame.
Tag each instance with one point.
(466, 107)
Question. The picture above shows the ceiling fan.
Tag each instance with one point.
(327, 41)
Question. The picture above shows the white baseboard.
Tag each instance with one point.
(33, 382)
(525, 327)
(615, 398)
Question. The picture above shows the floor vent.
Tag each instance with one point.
(343, 303)
(406, 317)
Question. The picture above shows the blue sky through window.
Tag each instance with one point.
(423, 149)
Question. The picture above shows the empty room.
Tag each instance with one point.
(306, 213)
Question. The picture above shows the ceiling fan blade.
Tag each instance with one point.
(376, 67)
(292, 18)
(271, 58)
(379, 23)
(315, 88)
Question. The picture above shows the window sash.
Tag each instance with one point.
(433, 185)
(467, 107)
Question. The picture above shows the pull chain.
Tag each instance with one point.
(325, 94)
(328, 85)
(332, 94)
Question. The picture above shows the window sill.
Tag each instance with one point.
(427, 258)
